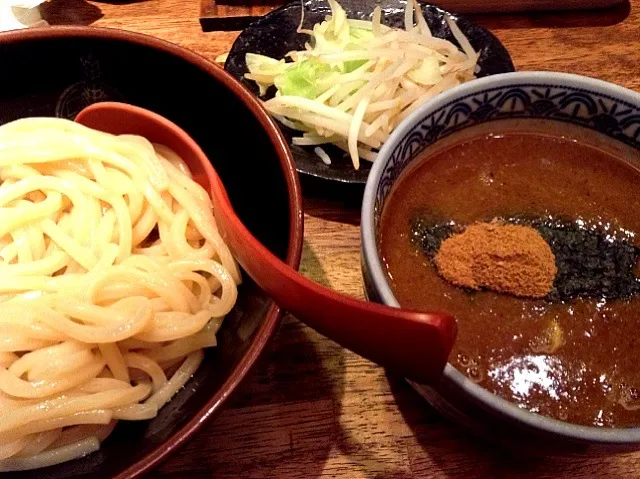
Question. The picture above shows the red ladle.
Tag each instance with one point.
(413, 344)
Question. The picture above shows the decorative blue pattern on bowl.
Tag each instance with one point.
(603, 113)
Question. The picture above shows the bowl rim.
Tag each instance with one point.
(294, 248)
(374, 267)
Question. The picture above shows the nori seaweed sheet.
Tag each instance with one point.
(590, 261)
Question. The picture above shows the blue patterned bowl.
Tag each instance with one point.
(584, 102)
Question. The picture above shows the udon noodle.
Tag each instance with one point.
(113, 279)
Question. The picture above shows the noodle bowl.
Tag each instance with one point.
(113, 279)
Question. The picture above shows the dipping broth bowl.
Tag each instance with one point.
(59, 72)
(579, 101)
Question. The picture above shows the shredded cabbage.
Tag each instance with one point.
(356, 80)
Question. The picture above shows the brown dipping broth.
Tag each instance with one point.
(576, 360)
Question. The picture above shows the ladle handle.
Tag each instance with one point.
(413, 344)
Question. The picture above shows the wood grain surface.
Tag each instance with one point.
(311, 409)
(236, 14)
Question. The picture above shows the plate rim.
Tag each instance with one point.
(321, 6)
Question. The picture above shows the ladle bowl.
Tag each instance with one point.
(413, 344)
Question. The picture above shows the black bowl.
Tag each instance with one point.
(275, 35)
(57, 72)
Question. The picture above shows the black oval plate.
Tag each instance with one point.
(275, 35)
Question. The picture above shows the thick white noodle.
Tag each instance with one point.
(113, 278)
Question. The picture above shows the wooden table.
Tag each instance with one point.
(312, 409)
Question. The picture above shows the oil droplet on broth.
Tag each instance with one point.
(463, 360)
(540, 344)
(630, 398)
(475, 373)
(551, 340)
